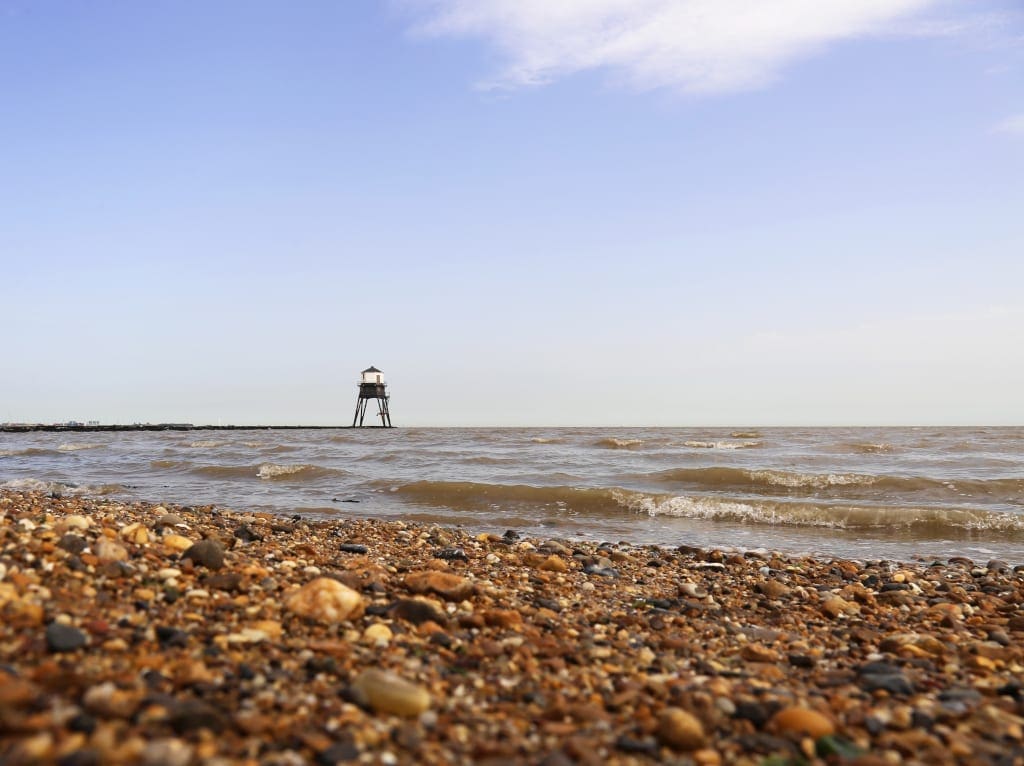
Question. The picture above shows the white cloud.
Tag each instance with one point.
(1013, 124)
(696, 46)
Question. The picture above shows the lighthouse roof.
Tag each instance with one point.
(371, 369)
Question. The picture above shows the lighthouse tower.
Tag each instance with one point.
(372, 386)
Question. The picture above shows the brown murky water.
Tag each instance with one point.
(863, 493)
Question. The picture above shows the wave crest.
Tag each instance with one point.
(748, 480)
(278, 471)
(613, 443)
(613, 501)
(267, 471)
(871, 448)
(61, 488)
(27, 451)
(697, 444)
(924, 521)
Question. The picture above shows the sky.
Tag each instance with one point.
(590, 212)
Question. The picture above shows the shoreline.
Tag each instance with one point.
(160, 634)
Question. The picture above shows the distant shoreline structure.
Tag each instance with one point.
(21, 428)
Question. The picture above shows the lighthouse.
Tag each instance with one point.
(372, 386)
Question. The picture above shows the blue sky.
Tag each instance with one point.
(656, 212)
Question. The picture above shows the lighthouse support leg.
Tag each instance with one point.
(360, 412)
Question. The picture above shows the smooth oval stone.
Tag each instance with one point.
(64, 638)
(386, 692)
(680, 730)
(800, 720)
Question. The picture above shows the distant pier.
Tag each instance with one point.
(21, 428)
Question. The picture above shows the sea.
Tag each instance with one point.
(898, 494)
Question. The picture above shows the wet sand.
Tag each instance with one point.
(145, 634)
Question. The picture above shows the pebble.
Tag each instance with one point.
(680, 730)
(799, 720)
(246, 534)
(448, 586)
(169, 636)
(230, 581)
(386, 692)
(517, 663)
(75, 521)
(758, 653)
(73, 543)
(773, 589)
(167, 752)
(692, 590)
(108, 550)
(326, 601)
(554, 564)
(135, 533)
(418, 611)
(837, 606)
(893, 683)
(451, 554)
(192, 715)
(64, 638)
(206, 553)
(168, 520)
(600, 571)
(177, 543)
(377, 634)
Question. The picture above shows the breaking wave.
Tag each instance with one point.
(606, 502)
(268, 471)
(467, 495)
(723, 444)
(76, 446)
(206, 444)
(612, 443)
(743, 479)
(871, 448)
(923, 521)
(299, 471)
(61, 488)
(27, 451)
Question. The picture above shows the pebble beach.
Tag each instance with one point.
(137, 633)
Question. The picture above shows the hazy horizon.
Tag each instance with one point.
(674, 213)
